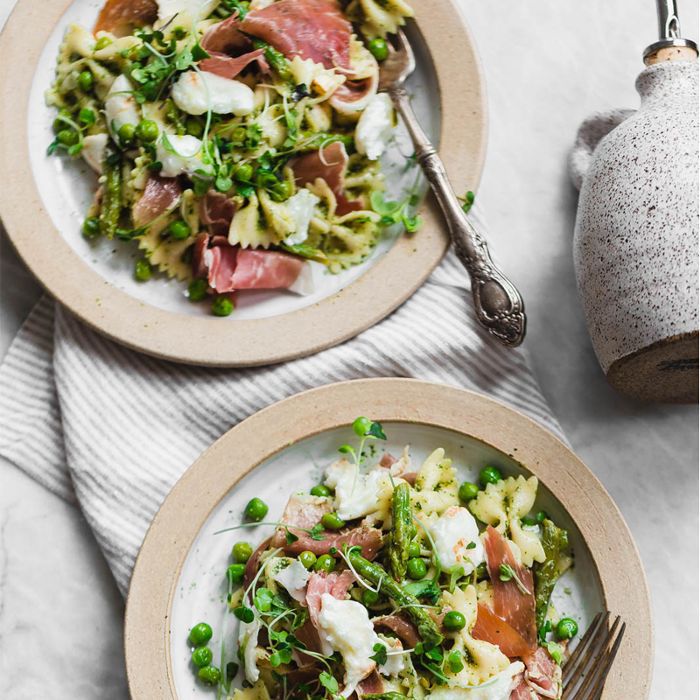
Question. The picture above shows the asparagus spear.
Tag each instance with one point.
(112, 196)
(375, 574)
(555, 543)
(402, 530)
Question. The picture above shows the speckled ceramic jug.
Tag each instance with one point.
(636, 240)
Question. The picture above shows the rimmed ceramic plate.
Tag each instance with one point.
(43, 202)
(178, 578)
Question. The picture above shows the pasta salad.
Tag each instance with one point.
(386, 583)
(236, 142)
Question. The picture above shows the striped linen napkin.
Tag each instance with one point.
(113, 429)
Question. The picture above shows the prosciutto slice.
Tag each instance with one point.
(542, 675)
(265, 269)
(159, 195)
(221, 262)
(301, 513)
(230, 66)
(491, 628)
(522, 691)
(314, 29)
(329, 164)
(402, 627)
(510, 603)
(216, 211)
(337, 584)
(226, 37)
(121, 17)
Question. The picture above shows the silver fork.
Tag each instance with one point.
(585, 672)
(499, 306)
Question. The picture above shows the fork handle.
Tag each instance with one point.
(499, 306)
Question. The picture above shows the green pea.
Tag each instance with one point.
(454, 621)
(320, 490)
(361, 426)
(202, 657)
(325, 563)
(243, 172)
(142, 270)
(529, 521)
(147, 131)
(541, 517)
(91, 227)
(416, 568)
(200, 634)
(194, 127)
(332, 521)
(567, 628)
(281, 191)
(235, 573)
(86, 116)
(379, 48)
(468, 491)
(102, 43)
(68, 137)
(179, 230)
(307, 558)
(490, 475)
(222, 306)
(414, 549)
(126, 134)
(256, 509)
(241, 552)
(85, 81)
(369, 597)
(197, 290)
(210, 675)
(454, 661)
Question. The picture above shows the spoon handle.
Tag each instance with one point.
(499, 306)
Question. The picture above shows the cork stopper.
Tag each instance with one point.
(670, 46)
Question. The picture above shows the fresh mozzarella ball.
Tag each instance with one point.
(194, 9)
(395, 663)
(184, 155)
(120, 105)
(301, 208)
(497, 688)
(294, 578)
(346, 627)
(195, 92)
(94, 150)
(457, 542)
(304, 284)
(356, 494)
(375, 127)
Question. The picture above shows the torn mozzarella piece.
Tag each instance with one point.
(180, 154)
(356, 494)
(375, 127)
(196, 92)
(301, 208)
(194, 9)
(248, 642)
(457, 542)
(395, 662)
(120, 105)
(94, 150)
(346, 627)
(304, 284)
(294, 578)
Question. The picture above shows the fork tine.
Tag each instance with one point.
(588, 681)
(572, 664)
(406, 46)
(605, 669)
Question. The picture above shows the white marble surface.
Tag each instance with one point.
(547, 65)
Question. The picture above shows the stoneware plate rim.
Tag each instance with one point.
(206, 340)
(251, 442)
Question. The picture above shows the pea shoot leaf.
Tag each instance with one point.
(289, 536)
(376, 431)
(244, 614)
(468, 201)
(380, 655)
(316, 532)
(328, 682)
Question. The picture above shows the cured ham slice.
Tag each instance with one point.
(369, 539)
(402, 627)
(542, 675)
(491, 628)
(329, 164)
(337, 584)
(523, 692)
(226, 37)
(265, 269)
(314, 29)
(301, 513)
(121, 17)
(216, 211)
(159, 195)
(354, 95)
(230, 66)
(372, 685)
(221, 262)
(251, 565)
(512, 601)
